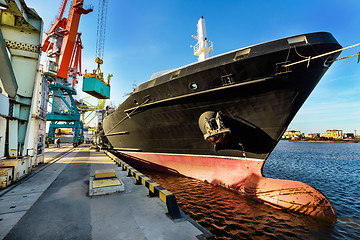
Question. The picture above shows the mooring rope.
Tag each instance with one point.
(325, 54)
(128, 115)
(358, 54)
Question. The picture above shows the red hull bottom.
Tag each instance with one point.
(242, 175)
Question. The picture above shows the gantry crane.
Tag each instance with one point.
(63, 47)
(89, 111)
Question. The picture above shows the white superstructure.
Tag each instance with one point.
(203, 46)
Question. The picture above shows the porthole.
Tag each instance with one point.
(135, 102)
(193, 86)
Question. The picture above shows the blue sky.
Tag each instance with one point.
(143, 37)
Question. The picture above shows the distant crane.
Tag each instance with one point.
(89, 111)
(63, 47)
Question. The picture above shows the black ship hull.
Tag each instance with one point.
(218, 120)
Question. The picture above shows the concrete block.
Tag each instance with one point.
(107, 173)
(106, 182)
(105, 186)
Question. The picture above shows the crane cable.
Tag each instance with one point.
(101, 28)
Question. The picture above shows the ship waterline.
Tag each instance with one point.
(241, 175)
(218, 120)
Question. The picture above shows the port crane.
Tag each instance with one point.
(63, 46)
(94, 82)
(96, 77)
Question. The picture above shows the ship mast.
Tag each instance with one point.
(203, 46)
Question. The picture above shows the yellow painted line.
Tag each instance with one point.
(106, 173)
(163, 194)
(106, 183)
(152, 185)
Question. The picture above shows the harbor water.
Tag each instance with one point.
(332, 168)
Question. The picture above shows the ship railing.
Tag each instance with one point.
(208, 44)
(196, 47)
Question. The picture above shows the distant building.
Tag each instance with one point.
(312, 135)
(349, 135)
(291, 134)
(334, 133)
(323, 135)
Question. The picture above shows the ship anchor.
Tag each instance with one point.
(213, 128)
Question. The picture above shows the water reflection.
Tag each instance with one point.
(335, 171)
(229, 215)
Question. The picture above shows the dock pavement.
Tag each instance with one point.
(53, 203)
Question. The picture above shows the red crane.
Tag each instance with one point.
(63, 42)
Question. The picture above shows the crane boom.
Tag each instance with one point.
(70, 35)
(62, 9)
(65, 38)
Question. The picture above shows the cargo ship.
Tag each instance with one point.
(219, 119)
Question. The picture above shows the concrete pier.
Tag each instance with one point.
(53, 203)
